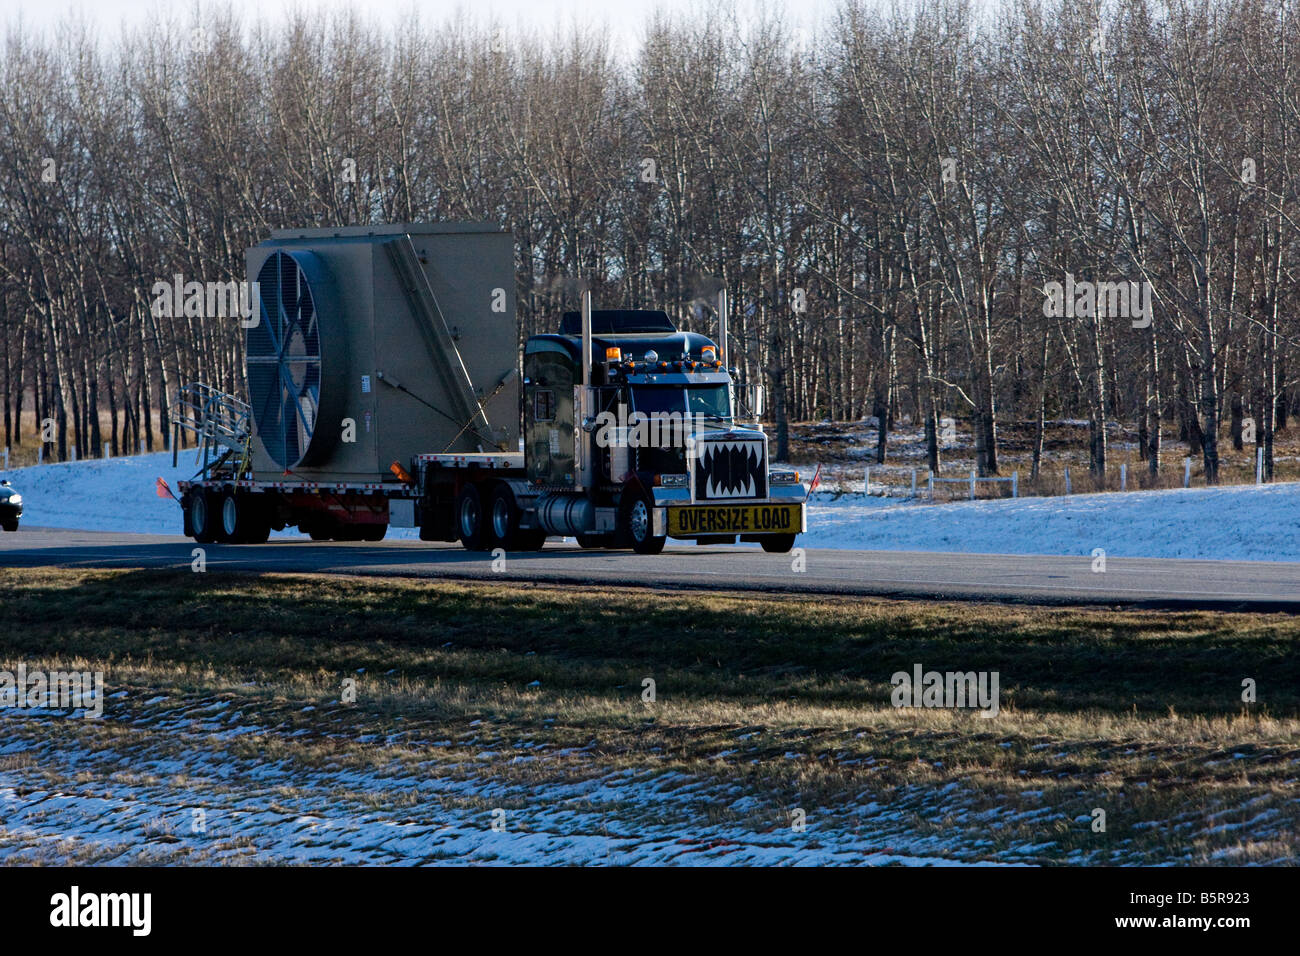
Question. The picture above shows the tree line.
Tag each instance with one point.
(1044, 209)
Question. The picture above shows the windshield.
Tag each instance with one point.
(709, 400)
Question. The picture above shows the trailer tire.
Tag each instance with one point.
(243, 519)
(778, 543)
(471, 523)
(636, 523)
(202, 517)
(374, 532)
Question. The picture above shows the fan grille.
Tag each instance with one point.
(284, 361)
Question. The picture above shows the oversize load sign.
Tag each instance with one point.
(735, 519)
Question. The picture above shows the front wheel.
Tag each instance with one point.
(778, 543)
(10, 525)
(636, 523)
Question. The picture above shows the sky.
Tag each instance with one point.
(623, 18)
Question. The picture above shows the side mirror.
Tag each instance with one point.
(755, 400)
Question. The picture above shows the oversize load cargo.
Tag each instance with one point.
(380, 343)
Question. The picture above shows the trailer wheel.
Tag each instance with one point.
(243, 519)
(636, 523)
(470, 524)
(202, 517)
(778, 543)
(374, 532)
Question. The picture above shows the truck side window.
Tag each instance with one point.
(543, 405)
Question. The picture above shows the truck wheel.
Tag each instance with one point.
(778, 543)
(202, 517)
(11, 524)
(471, 527)
(636, 523)
(589, 541)
(243, 519)
(503, 522)
(374, 532)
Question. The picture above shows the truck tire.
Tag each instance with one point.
(11, 524)
(243, 519)
(589, 541)
(374, 532)
(471, 523)
(202, 517)
(503, 523)
(778, 543)
(635, 523)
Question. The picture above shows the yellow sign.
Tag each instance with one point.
(735, 519)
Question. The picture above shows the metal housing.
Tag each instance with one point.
(418, 339)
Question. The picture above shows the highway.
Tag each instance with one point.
(1140, 582)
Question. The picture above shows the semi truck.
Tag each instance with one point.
(387, 387)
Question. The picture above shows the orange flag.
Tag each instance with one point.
(163, 491)
(817, 480)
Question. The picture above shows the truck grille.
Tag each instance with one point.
(726, 470)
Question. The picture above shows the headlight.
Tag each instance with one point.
(15, 499)
(784, 477)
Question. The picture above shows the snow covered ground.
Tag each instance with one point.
(1226, 523)
(74, 798)
(1240, 523)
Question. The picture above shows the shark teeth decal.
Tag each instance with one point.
(730, 469)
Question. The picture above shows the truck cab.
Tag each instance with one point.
(647, 442)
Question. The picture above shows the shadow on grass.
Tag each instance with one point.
(605, 641)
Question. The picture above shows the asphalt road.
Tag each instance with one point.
(1219, 585)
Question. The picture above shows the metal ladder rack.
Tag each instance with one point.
(220, 424)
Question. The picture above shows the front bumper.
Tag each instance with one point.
(783, 512)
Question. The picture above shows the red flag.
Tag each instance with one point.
(817, 480)
(161, 489)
